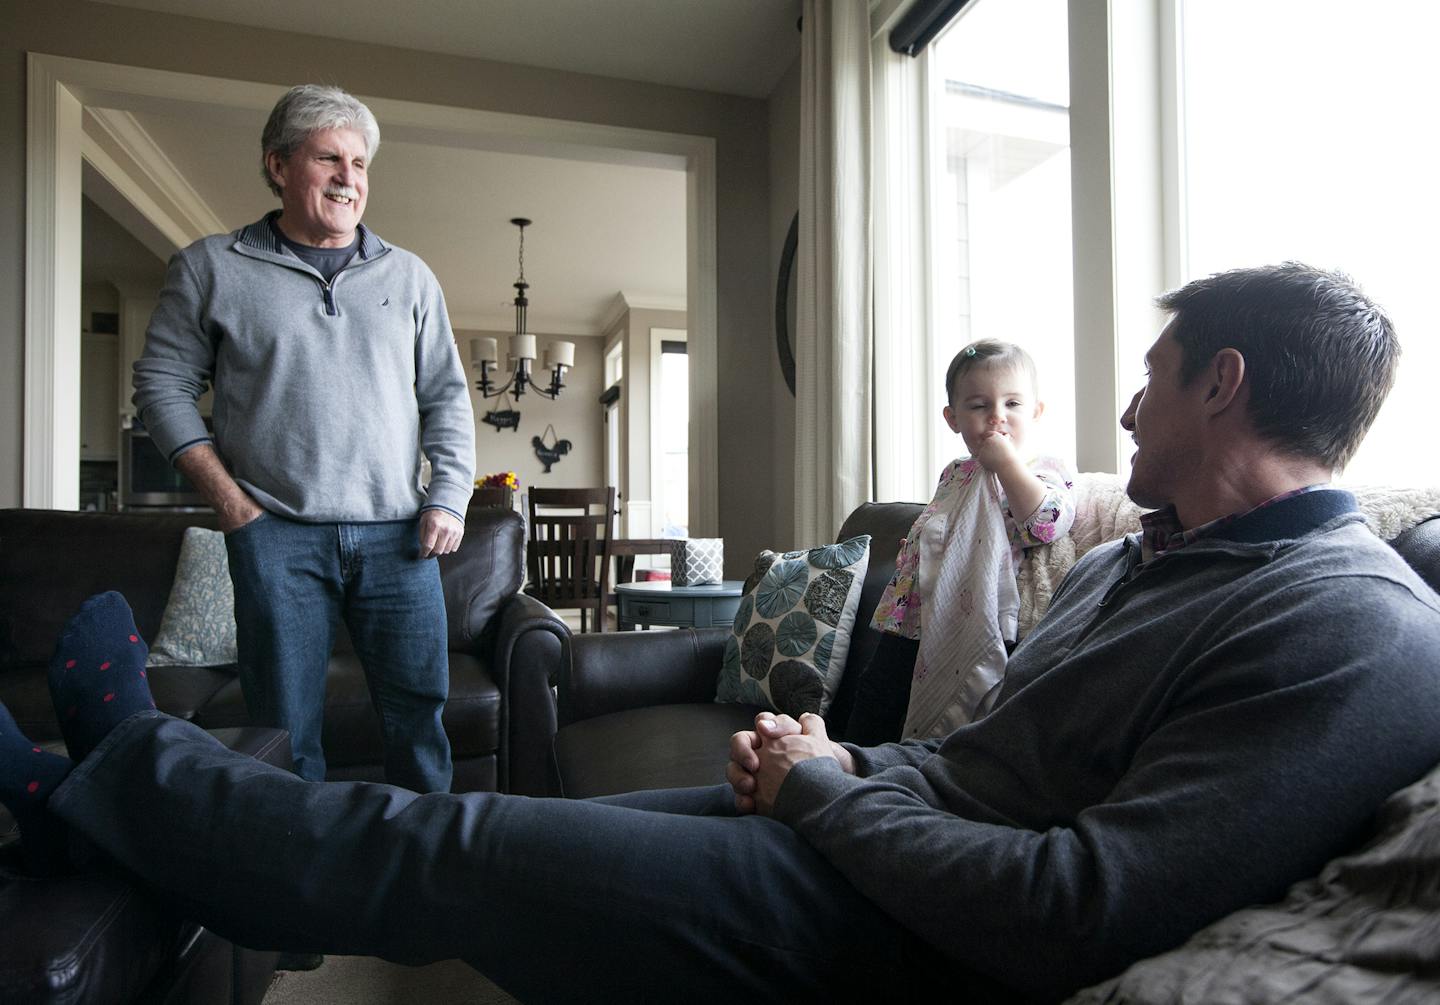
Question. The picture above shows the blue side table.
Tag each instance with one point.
(659, 603)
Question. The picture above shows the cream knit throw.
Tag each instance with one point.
(971, 603)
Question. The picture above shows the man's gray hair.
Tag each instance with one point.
(309, 108)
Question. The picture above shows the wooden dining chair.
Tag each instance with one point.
(569, 549)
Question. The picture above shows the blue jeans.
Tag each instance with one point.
(644, 897)
(293, 583)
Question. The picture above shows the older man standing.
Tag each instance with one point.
(335, 373)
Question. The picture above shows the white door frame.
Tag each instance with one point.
(61, 87)
(657, 501)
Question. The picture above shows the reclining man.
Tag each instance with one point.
(1209, 712)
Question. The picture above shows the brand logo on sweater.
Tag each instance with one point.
(385, 302)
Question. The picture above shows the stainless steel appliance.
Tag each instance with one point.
(147, 478)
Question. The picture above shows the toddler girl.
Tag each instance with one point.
(950, 615)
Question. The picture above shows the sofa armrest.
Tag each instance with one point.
(623, 670)
(528, 651)
(1420, 546)
(483, 574)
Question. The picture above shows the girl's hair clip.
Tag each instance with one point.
(970, 351)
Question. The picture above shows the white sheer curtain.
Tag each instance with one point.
(833, 400)
(909, 374)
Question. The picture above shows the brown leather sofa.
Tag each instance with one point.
(661, 686)
(51, 561)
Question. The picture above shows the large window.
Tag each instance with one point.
(1306, 135)
(1295, 129)
(1000, 226)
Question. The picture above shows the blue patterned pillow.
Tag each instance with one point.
(792, 631)
(198, 626)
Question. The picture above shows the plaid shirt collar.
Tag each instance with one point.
(1160, 531)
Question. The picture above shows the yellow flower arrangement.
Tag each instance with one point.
(500, 479)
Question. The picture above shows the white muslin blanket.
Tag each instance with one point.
(967, 576)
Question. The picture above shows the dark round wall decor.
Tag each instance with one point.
(785, 305)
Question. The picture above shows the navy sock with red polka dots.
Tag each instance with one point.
(28, 774)
(97, 676)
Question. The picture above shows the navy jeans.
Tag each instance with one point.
(293, 583)
(647, 897)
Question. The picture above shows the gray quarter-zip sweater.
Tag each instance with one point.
(326, 394)
(1175, 740)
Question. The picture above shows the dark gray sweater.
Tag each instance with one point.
(1175, 740)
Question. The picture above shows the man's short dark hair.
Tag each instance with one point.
(1320, 356)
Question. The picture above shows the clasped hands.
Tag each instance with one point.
(761, 758)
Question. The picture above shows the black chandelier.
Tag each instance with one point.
(559, 356)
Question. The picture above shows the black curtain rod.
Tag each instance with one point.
(921, 23)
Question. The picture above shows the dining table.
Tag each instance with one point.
(623, 552)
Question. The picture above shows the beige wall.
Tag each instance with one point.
(112, 34)
(576, 416)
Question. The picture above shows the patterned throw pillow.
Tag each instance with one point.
(792, 631)
(198, 626)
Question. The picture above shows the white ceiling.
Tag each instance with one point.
(600, 229)
(730, 46)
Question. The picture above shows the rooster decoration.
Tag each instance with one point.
(549, 455)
